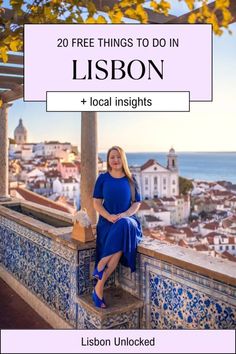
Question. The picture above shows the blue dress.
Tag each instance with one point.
(125, 234)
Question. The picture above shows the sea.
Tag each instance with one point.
(206, 166)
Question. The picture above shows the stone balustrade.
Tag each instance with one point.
(177, 287)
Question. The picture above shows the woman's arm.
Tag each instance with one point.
(132, 210)
(97, 203)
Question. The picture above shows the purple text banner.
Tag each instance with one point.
(128, 57)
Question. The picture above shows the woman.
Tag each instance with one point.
(116, 199)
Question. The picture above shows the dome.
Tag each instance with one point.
(172, 151)
(20, 129)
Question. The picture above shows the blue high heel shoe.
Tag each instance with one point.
(97, 301)
(98, 275)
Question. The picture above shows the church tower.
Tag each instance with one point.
(20, 134)
(172, 163)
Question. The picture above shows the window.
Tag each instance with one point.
(173, 182)
(155, 168)
(173, 190)
(146, 181)
(155, 180)
(227, 247)
(164, 180)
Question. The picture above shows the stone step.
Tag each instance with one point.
(123, 311)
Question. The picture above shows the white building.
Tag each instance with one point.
(27, 153)
(53, 149)
(153, 215)
(157, 181)
(68, 188)
(179, 208)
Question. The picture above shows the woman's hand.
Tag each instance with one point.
(113, 218)
(123, 215)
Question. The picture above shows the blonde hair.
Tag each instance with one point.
(125, 166)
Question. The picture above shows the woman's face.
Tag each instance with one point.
(115, 160)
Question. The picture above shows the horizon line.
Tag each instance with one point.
(178, 151)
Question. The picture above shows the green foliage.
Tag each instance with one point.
(185, 185)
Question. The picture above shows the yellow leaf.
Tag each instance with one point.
(90, 20)
(165, 5)
(3, 54)
(101, 19)
(14, 45)
(192, 18)
(131, 13)
(1, 102)
(220, 4)
(141, 13)
(190, 4)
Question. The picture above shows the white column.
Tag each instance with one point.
(4, 192)
(89, 161)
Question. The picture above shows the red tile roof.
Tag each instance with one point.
(182, 243)
(38, 199)
(201, 247)
(229, 256)
(165, 199)
(147, 164)
(212, 225)
(144, 206)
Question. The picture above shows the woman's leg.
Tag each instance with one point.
(103, 262)
(111, 266)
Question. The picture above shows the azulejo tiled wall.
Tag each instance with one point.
(44, 266)
(89, 320)
(86, 261)
(175, 298)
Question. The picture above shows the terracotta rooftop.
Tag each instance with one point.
(182, 243)
(212, 225)
(187, 231)
(214, 233)
(147, 164)
(201, 248)
(150, 163)
(232, 240)
(144, 206)
(38, 199)
(229, 256)
(165, 199)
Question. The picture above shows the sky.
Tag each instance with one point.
(209, 126)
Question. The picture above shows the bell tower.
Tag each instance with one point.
(172, 161)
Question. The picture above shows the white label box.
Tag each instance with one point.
(107, 101)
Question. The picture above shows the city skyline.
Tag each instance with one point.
(209, 126)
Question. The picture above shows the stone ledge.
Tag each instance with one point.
(121, 308)
(61, 235)
(214, 268)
